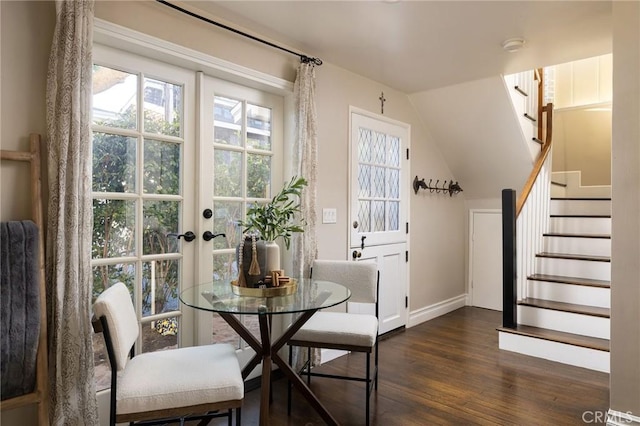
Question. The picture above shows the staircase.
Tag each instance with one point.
(564, 312)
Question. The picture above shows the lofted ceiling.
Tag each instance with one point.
(415, 46)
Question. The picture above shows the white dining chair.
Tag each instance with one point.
(352, 332)
(175, 385)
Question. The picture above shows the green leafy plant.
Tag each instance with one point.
(278, 217)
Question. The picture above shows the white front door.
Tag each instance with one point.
(379, 201)
(486, 259)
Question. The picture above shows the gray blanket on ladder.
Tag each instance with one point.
(19, 307)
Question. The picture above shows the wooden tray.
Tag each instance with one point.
(284, 290)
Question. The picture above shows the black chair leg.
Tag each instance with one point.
(309, 366)
(376, 378)
(238, 416)
(367, 388)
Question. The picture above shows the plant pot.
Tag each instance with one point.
(252, 281)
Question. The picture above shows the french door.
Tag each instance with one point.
(175, 154)
(240, 163)
(379, 201)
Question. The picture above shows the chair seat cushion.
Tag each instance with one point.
(179, 377)
(340, 328)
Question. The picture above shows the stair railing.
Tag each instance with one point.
(524, 221)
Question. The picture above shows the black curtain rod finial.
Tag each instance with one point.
(310, 60)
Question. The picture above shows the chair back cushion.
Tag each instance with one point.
(360, 277)
(116, 306)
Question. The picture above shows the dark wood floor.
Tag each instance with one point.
(449, 371)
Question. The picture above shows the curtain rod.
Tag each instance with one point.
(303, 58)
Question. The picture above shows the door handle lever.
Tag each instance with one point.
(208, 235)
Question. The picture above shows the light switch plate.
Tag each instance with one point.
(329, 216)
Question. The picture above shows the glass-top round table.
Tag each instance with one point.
(219, 296)
(309, 296)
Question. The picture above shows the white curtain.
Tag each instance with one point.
(69, 232)
(305, 155)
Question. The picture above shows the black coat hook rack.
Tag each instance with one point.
(450, 187)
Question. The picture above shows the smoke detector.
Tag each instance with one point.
(513, 44)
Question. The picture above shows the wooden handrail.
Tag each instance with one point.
(546, 148)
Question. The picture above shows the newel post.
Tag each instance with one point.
(509, 283)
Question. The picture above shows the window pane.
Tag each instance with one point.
(393, 158)
(227, 173)
(227, 121)
(226, 215)
(364, 145)
(377, 216)
(258, 176)
(258, 127)
(114, 163)
(162, 107)
(394, 216)
(159, 286)
(160, 220)
(160, 334)
(394, 183)
(161, 167)
(378, 187)
(364, 180)
(379, 148)
(224, 266)
(113, 228)
(114, 98)
(364, 214)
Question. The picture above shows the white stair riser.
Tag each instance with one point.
(584, 207)
(567, 322)
(575, 245)
(568, 293)
(574, 268)
(554, 351)
(580, 225)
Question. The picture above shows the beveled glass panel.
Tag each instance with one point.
(114, 98)
(393, 183)
(258, 127)
(258, 176)
(226, 215)
(379, 182)
(114, 163)
(162, 107)
(113, 228)
(364, 145)
(377, 214)
(227, 121)
(378, 148)
(394, 216)
(160, 334)
(393, 157)
(160, 280)
(161, 218)
(364, 180)
(227, 167)
(364, 215)
(161, 167)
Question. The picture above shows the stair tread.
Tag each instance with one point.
(574, 256)
(566, 307)
(559, 336)
(570, 280)
(561, 234)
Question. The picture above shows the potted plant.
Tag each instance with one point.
(275, 219)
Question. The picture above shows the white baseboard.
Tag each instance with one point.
(438, 309)
(618, 418)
